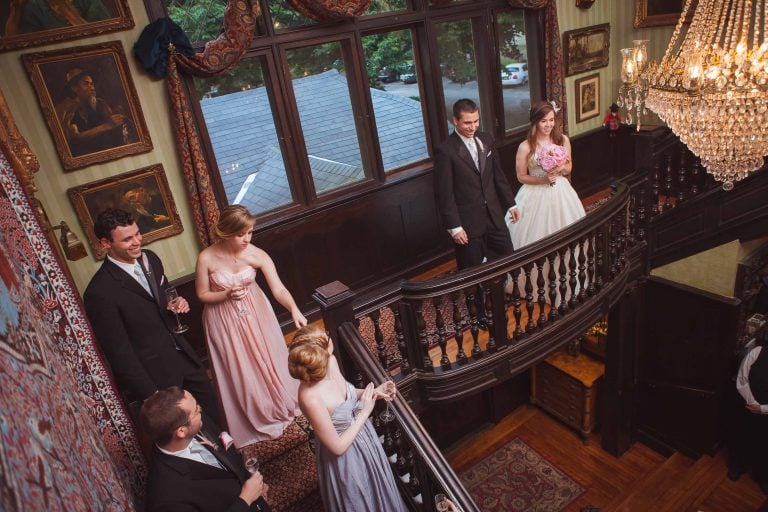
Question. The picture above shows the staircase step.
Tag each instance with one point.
(294, 435)
(688, 492)
(292, 478)
(647, 493)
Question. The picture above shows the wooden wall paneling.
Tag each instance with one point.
(683, 365)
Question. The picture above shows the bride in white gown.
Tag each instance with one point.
(547, 202)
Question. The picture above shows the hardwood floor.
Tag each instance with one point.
(638, 481)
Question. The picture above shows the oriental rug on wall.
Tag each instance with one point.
(516, 479)
(65, 440)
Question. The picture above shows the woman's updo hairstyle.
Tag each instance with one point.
(308, 355)
(233, 220)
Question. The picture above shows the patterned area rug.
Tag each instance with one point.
(516, 478)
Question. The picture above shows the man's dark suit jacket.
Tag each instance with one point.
(134, 330)
(176, 484)
(466, 196)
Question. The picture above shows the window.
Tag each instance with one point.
(316, 112)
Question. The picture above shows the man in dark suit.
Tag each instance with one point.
(126, 305)
(472, 192)
(190, 470)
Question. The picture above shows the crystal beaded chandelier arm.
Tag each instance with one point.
(711, 86)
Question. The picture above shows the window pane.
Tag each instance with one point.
(241, 127)
(397, 108)
(284, 17)
(515, 87)
(457, 63)
(379, 6)
(325, 110)
(202, 20)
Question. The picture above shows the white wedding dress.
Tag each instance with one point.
(544, 210)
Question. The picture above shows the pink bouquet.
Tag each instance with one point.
(551, 156)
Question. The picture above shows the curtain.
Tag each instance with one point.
(554, 75)
(327, 10)
(219, 56)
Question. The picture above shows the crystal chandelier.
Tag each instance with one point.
(711, 86)
(634, 89)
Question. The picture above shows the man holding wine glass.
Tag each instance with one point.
(135, 318)
(190, 469)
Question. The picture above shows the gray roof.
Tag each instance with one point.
(247, 150)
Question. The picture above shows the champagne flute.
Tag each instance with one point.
(389, 387)
(441, 503)
(252, 465)
(172, 296)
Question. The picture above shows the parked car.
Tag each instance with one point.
(514, 74)
(409, 75)
(388, 74)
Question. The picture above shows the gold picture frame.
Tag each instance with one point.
(655, 13)
(89, 103)
(586, 48)
(37, 22)
(587, 92)
(143, 192)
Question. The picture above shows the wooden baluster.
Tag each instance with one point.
(421, 331)
(469, 294)
(388, 430)
(695, 177)
(441, 336)
(401, 466)
(612, 250)
(591, 263)
(668, 185)
(655, 189)
(582, 258)
(458, 334)
(572, 282)
(632, 218)
(541, 292)
(488, 306)
(516, 311)
(563, 271)
(405, 366)
(600, 258)
(378, 336)
(641, 220)
(414, 485)
(552, 278)
(682, 184)
(529, 326)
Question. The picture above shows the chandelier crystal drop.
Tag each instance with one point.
(711, 86)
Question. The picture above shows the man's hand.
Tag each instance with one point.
(461, 238)
(252, 488)
(514, 214)
(180, 305)
(754, 408)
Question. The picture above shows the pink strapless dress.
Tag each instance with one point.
(250, 359)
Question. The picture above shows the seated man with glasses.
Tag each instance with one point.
(189, 470)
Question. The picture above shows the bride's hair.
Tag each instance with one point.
(233, 220)
(539, 111)
(308, 355)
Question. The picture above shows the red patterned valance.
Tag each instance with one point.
(327, 10)
(554, 88)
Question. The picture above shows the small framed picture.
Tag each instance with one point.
(586, 48)
(26, 23)
(654, 13)
(143, 192)
(587, 90)
(89, 102)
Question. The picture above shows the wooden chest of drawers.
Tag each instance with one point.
(566, 386)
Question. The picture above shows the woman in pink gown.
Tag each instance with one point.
(245, 342)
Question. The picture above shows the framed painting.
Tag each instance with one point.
(89, 103)
(586, 48)
(26, 23)
(143, 192)
(654, 13)
(587, 92)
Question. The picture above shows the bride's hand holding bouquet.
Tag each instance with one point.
(552, 158)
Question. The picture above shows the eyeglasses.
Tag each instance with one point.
(198, 410)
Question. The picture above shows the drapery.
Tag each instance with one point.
(327, 10)
(554, 77)
(219, 56)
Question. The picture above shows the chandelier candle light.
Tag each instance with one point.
(711, 86)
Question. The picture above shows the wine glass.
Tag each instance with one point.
(389, 387)
(252, 465)
(441, 503)
(172, 296)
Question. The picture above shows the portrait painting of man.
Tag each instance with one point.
(89, 102)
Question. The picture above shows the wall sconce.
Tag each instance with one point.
(72, 246)
(634, 89)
